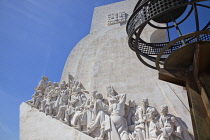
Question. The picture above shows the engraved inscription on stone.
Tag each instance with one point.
(116, 18)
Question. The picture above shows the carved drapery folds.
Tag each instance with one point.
(107, 118)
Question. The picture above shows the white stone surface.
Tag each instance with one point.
(35, 125)
(101, 13)
(103, 58)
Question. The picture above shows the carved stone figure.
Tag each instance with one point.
(42, 84)
(141, 131)
(78, 97)
(110, 91)
(38, 99)
(50, 106)
(98, 127)
(168, 126)
(153, 116)
(130, 112)
(104, 118)
(55, 84)
(77, 119)
(117, 115)
(63, 85)
(54, 93)
(69, 113)
(47, 97)
(89, 110)
(34, 96)
(79, 116)
(62, 103)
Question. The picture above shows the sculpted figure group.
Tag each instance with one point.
(106, 119)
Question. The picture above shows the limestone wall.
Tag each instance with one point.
(103, 58)
(99, 21)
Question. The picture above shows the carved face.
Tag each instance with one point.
(77, 108)
(78, 89)
(145, 102)
(83, 97)
(66, 92)
(62, 86)
(40, 94)
(49, 83)
(110, 90)
(94, 93)
(164, 109)
(74, 89)
(56, 89)
(55, 84)
(152, 114)
(99, 96)
(132, 103)
(113, 99)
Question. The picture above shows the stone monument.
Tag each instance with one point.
(105, 93)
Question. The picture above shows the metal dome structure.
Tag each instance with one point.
(162, 11)
(185, 60)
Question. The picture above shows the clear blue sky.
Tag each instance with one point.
(36, 37)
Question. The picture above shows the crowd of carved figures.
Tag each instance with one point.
(106, 118)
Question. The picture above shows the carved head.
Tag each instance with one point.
(57, 89)
(78, 89)
(62, 92)
(61, 85)
(44, 78)
(55, 84)
(42, 83)
(39, 91)
(66, 92)
(99, 96)
(113, 99)
(145, 102)
(76, 83)
(84, 98)
(40, 94)
(49, 83)
(74, 89)
(132, 103)
(164, 109)
(77, 108)
(94, 93)
(152, 114)
(110, 91)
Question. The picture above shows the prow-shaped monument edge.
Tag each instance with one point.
(37, 125)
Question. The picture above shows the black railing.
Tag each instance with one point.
(160, 11)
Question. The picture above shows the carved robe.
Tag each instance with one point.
(117, 116)
(142, 128)
(100, 118)
(167, 126)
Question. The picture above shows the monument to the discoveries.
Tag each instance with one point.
(125, 101)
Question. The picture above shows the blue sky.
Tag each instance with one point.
(36, 37)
